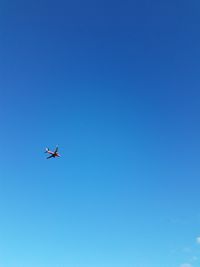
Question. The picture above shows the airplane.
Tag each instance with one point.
(53, 154)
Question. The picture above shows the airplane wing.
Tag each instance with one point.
(56, 150)
(50, 157)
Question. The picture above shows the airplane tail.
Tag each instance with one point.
(46, 150)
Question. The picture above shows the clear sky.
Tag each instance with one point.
(116, 85)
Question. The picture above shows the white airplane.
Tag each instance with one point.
(53, 154)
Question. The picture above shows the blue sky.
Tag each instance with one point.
(116, 85)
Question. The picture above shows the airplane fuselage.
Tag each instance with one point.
(53, 154)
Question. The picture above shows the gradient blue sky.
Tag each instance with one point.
(116, 85)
